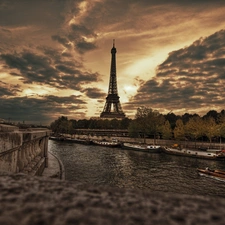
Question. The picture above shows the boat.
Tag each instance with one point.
(106, 143)
(57, 138)
(68, 139)
(215, 174)
(78, 140)
(216, 155)
(142, 147)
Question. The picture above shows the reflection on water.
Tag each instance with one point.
(131, 169)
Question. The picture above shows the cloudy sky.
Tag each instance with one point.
(55, 57)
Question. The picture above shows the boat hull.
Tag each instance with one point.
(215, 174)
(54, 138)
(195, 154)
(106, 144)
(143, 148)
(79, 141)
(73, 140)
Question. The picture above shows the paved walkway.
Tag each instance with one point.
(55, 167)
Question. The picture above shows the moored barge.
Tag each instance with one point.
(216, 155)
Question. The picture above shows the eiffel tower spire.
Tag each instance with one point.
(112, 108)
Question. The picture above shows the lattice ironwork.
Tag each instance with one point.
(112, 108)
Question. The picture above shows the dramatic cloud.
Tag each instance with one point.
(40, 109)
(94, 93)
(35, 68)
(55, 56)
(62, 40)
(8, 90)
(84, 46)
(191, 78)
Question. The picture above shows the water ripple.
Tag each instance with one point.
(137, 170)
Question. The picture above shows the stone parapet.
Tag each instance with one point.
(10, 140)
(23, 150)
(33, 200)
(8, 128)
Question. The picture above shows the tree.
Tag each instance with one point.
(194, 128)
(211, 114)
(179, 132)
(103, 124)
(115, 124)
(172, 118)
(61, 125)
(83, 124)
(125, 123)
(134, 129)
(211, 128)
(221, 125)
(147, 121)
(186, 117)
(141, 121)
(74, 123)
(70, 129)
(166, 130)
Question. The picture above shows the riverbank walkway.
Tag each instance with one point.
(55, 167)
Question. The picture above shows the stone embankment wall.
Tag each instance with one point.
(23, 150)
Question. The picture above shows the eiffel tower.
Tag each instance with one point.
(112, 108)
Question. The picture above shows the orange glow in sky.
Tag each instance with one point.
(55, 57)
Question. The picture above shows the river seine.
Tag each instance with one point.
(96, 165)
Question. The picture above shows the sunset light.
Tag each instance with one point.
(170, 56)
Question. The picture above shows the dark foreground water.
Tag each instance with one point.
(136, 170)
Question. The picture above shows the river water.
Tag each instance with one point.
(96, 165)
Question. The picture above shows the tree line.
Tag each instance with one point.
(150, 123)
(63, 125)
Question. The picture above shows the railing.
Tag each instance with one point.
(23, 150)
